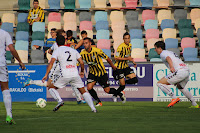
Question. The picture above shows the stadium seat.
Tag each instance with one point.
(153, 56)
(186, 32)
(70, 26)
(54, 16)
(138, 54)
(100, 3)
(23, 54)
(74, 34)
(9, 57)
(151, 42)
(167, 23)
(38, 35)
(187, 42)
(102, 25)
(8, 17)
(56, 25)
(70, 4)
(42, 3)
(190, 54)
(169, 33)
(37, 42)
(103, 44)
(137, 43)
(24, 4)
(85, 3)
(7, 27)
(180, 14)
(118, 34)
(155, 60)
(86, 25)
(134, 24)
(37, 56)
(103, 34)
(107, 52)
(151, 24)
(164, 14)
(118, 25)
(85, 16)
(38, 26)
(147, 3)
(194, 3)
(163, 2)
(197, 24)
(54, 4)
(136, 34)
(179, 2)
(175, 50)
(148, 14)
(116, 44)
(23, 26)
(69, 16)
(22, 17)
(184, 23)
(131, 15)
(152, 33)
(116, 16)
(116, 3)
(194, 14)
(21, 45)
(100, 16)
(89, 34)
(131, 3)
(171, 43)
(22, 35)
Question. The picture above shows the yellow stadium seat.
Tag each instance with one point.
(164, 14)
(169, 33)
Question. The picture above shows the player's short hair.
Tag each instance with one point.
(87, 38)
(60, 31)
(69, 33)
(160, 44)
(35, 1)
(53, 29)
(125, 34)
(83, 32)
(0, 20)
(60, 40)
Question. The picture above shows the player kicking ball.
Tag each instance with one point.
(68, 58)
(179, 75)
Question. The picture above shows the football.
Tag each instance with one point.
(41, 103)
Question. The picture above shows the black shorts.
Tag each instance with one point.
(102, 80)
(124, 72)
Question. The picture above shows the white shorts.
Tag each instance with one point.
(74, 82)
(55, 72)
(3, 74)
(180, 76)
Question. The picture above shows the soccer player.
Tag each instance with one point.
(68, 58)
(5, 40)
(179, 75)
(97, 73)
(123, 55)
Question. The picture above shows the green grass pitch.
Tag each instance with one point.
(131, 117)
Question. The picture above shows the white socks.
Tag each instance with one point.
(88, 99)
(166, 89)
(54, 93)
(188, 95)
(7, 102)
(38, 82)
(77, 94)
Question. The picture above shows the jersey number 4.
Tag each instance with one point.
(68, 59)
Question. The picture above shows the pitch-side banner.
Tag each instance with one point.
(16, 79)
(160, 70)
(143, 91)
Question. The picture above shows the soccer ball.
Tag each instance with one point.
(41, 103)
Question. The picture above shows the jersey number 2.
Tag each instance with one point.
(68, 59)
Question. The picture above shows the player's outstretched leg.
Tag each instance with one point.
(35, 82)
(10, 120)
(79, 99)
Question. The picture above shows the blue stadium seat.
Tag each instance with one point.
(54, 4)
(147, 3)
(137, 43)
(171, 43)
(151, 24)
(107, 52)
(22, 17)
(194, 2)
(103, 34)
(22, 35)
(38, 26)
(85, 3)
(102, 25)
(37, 42)
(136, 34)
(101, 16)
(7, 27)
(21, 45)
(190, 54)
(167, 23)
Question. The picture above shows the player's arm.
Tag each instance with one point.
(82, 67)
(169, 60)
(79, 44)
(48, 69)
(111, 64)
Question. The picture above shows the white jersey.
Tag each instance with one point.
(177, 62)
(5, 40)
(54, 46)
(67, 58)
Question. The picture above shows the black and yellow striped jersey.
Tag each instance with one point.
(122, 51)
(94, 61)
(34, 13)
